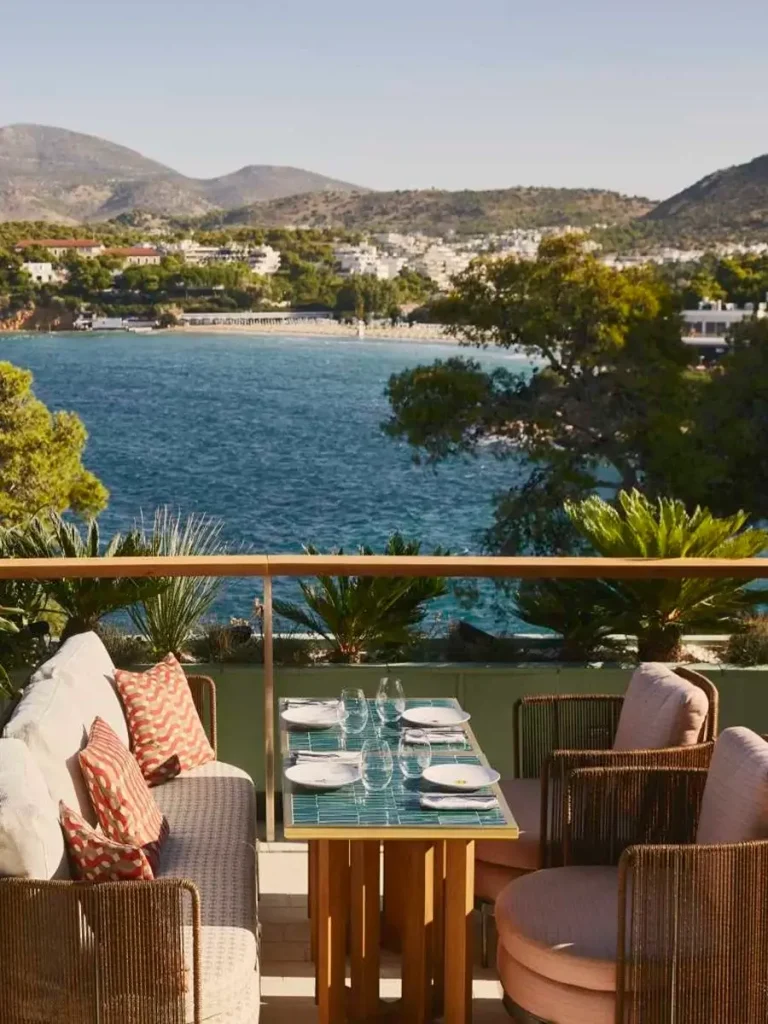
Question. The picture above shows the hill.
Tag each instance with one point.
(434, 211)
(729, 204)
(58, 175)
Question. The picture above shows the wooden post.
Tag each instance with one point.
(269, 712)
(417, 935)
(364, 929)
(332, 912)
(459, 904)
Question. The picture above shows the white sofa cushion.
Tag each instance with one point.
(31, 841)
(87, 665)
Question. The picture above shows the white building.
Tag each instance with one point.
(44, 273)
(264, 260)
(441, 263)
(713, 320)
(135, 255)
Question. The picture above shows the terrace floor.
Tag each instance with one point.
(287, 978)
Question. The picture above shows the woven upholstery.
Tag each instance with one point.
(524, 799)
(734, 808)
(661, 709)
(562, 924)
(211, 812)
(551, 1001)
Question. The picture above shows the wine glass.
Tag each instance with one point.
(352, 711)
(390, 700)
(414, 753)
(376, 765)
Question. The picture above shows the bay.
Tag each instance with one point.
(279, 436)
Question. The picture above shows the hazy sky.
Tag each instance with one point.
(642, 96)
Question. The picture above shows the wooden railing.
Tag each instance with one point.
(270, 566)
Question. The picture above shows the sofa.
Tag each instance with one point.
(182, 949)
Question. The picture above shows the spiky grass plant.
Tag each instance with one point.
(168, 619)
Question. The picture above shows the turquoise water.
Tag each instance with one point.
(279, 436)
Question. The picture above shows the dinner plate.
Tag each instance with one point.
(460, 777)
(310, 716)
(323, 774)
(435, 718)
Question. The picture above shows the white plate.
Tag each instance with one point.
(323, 775)
(310, 716)
(435, 718)
(460, 777)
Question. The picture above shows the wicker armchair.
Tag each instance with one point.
(83, 953)
(687, 918)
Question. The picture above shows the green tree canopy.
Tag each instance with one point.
(41, 455)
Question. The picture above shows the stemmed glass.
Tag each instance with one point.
(352, 711)
(414, 753)
(376, 765)
(390, 700)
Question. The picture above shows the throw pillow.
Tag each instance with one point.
(96, 858)
(162, 718)
(124, 805)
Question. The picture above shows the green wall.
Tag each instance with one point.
(487, 692)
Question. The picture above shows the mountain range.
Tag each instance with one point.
(53, 174)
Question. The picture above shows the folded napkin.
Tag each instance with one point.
(436, 736)
(303, 702)
(339, 756)
(444, 802)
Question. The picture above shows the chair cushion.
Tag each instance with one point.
(551, 1001)
(523, 854)
(490, 879)
(84, 660)
(661, 709)
(124, 805)
(31, 843)
(212, 814)
(49, 720)
(162, 719)
(734, 807)
(562, 924)
(97, 858)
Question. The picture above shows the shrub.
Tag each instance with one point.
(748, 644)
(125, 649)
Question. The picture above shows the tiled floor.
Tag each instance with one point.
(287, 982)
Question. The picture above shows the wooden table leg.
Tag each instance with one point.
(438, 932)
(332, 913)
(417, 933)
(394, 895)
(312, 904)
(364, 929)
(459, 904)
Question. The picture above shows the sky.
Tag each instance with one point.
(643, 97)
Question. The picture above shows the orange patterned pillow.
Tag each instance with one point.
(162, 718)
(95, 858)
(124, 805)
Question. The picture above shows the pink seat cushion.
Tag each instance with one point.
(523, 854)
(661, 709)
(562, 924)
(734, 808)
(490, 879)
(551, 1001)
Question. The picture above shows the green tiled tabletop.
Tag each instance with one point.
(351, 812)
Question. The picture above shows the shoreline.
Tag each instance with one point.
(329, 328)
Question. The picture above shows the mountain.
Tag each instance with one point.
(732, 203)
(433, 211)
(54, 174)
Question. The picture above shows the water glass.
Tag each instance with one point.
(353, 711)
(414, 753)
(376, 765)
(390, 700)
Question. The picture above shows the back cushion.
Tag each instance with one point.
(50, 721)
(84, 660)
(734, 808)
(31, 842)
(660, 710)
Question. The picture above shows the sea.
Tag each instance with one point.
(277, 436)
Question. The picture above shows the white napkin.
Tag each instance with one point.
(443, 802)
(303, 702)
(337, 756)
(436, 736)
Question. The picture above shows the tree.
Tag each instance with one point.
(603, 406)
(40, 455)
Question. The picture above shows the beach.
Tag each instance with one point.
(332, 328)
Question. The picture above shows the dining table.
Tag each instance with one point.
(428, 876)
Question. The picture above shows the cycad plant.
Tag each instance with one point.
(359, 614)
(660, 611)
(573, 608)
(169, 617)
(82, 602)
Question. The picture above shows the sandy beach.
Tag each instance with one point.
(330, 328)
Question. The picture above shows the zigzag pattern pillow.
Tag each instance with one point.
(95, 858)
(124, 806)
(162, 719)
